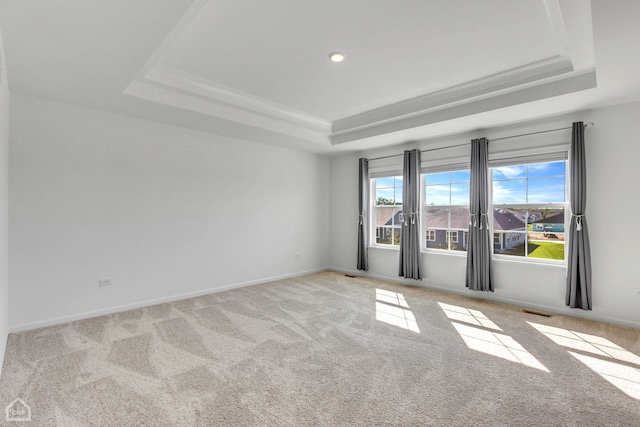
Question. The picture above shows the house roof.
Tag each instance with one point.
(387, 215)
(553, 219)
(395, 219)
(504, 220)
(439, 218)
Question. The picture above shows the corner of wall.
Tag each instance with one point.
(4, 201)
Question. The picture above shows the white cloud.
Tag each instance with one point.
(500, 192)
(438, 188)
(510, 172)
(538, 166)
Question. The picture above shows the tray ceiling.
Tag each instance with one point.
(260, 70)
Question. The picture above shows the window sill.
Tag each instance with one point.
(530, 261)
(498, 258)
(385, 247)
(445, 252)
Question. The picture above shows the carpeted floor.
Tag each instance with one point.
(326, 349)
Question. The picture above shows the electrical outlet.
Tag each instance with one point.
(104, 282)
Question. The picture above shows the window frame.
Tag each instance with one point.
(444, 168)
(373, 228)
(522, 156)
(430, 231)
(531, 205)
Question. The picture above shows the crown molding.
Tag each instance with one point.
(186, 100)
(466, 92)
(534, 92)
(233, 98)
(563, 73)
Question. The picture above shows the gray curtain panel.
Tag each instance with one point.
(479, 268)
(410, 238)
(363, 209)
(579, 261)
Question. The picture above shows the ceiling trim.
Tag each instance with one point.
(535, 92)
(556, 21)
(218, 93)
(466, 92)
(171, 86)
(184, 22)
(171, 96)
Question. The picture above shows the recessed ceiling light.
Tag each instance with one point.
(336, 56)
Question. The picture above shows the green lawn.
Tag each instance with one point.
(517, 251)
(538, 249)
(546, 250)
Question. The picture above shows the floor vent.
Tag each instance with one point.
(537, 313)
(349, 275)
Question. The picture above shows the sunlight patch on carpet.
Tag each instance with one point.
(475, 335)
(625, 378)
(392, 308)
(498, 345)
(586, 342)
(467, 315)
(622, 375)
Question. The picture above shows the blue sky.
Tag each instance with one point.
(447, 188)
(389, 188)
(546, 184)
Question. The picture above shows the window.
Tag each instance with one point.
(446, 198)
(529, 203)
(387, 211)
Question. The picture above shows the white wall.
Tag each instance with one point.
(4, 202)
(612, 208)
(166, 211)
(612, 153)
(161, 210)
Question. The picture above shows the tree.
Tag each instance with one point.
(385, 201)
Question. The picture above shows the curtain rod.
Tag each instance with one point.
(491, 140)
(422, 151)
(536, 133)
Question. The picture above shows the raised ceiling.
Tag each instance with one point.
(260, 70)
(278, 50)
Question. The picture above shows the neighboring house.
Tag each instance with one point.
(509, 230)
(440, 231)
(448, 228)
(388, 220)
(533, 216)
(550, 225)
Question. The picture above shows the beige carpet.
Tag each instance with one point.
(326, 349)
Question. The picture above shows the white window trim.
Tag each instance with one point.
(565, 206)
(372, 207)
(423, 223)
(496, 157)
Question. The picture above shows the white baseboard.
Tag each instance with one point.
(588, 315)
(145, 303)
(110, 310)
